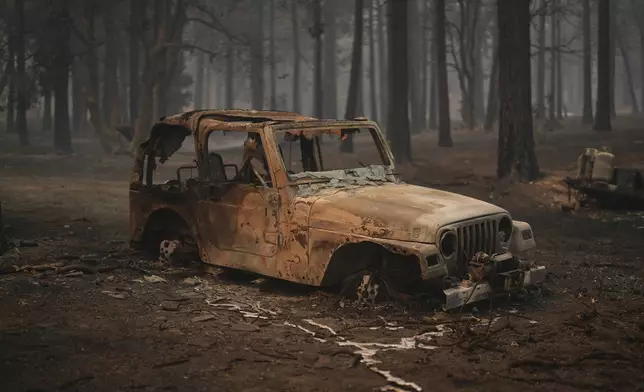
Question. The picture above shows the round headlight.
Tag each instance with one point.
(505, 230)
(448, 244)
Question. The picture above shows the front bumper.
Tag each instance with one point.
(469, 292)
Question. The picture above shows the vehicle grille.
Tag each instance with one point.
(475, 237)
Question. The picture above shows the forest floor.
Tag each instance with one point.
(121, 330)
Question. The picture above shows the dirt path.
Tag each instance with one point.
(118, 331)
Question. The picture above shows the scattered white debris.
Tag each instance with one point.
(321, 326)
(154, 279)
(396, 380)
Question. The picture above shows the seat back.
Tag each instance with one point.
(216, 169)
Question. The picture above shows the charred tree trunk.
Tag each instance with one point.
(11, 93)
(553, 61)
(356, 72)
(398, 123)
(199, 82)
(207, 83)
(426, 43)
(559, 89)
(493, 90)
(516, 142)
(136, 8)
(414, 64)
(46, 115)
(444, 127)
(62, 61)
(316, 32)
(630, 85)
(433, 87)
(603, 110)
(330, 66)
(21, 76)
(541, 63)
(382, 58)
(588, 77)
(110, 78)
(230, 75)
(612, 56)
(296, 57)
(373, 94)
(257, 58)
(79, 109)
(273, 63)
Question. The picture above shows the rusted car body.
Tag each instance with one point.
(321, 227)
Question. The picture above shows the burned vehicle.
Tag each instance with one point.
(279, 199)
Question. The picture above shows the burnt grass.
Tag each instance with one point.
(115, 331)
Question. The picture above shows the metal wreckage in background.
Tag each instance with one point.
(291, 211)
(600, 180)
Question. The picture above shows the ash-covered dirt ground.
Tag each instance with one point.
(123, 329)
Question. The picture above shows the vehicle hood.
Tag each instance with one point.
(394, 211)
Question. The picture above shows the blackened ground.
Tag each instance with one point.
(118, 331)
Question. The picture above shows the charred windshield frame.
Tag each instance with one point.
(313, 127)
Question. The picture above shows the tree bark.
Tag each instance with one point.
(398, 124)
(273, 63)
(559, 65)
(612, 55)
(373, 93)
(414, 64)
(257, 57)
(444, 127)
(516, 151)
(62, 62)
(493, 90)
(433, 87)
(382, 58)
(316, 32)
(199, 82)
(553, 61)
(136, 9)
(11, 93)
(110, 78)
(356, 72)
(297, 105)
(330, 65)
(21, 76)
(603, 114)
(588, 77)
(541, 63)
(46, 116)
(230, 75)
(630, 83)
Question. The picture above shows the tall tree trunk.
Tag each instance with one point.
(493, 89)
(230, 75)
(271, 54)
(21, 76)
(356, 71)
(79, 109)
(91, 90)
(199, 82)
(110, 78)
(46, 116)
(444, 127)
(603, 110)
(541, 63)
(11, 93)
(134, 45)
(316, 32)
(588, 77)
(257, 58)
(426, 43)
(297, 104)
(630, 85)
(433, 68)
(62, 62)
(414, 64)
(553, 60)
(613, 51)
(330, 65)
(207, 86)
(382, 58)
(516, 141)
(398, 123)
(373, 93)
(559, 89)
